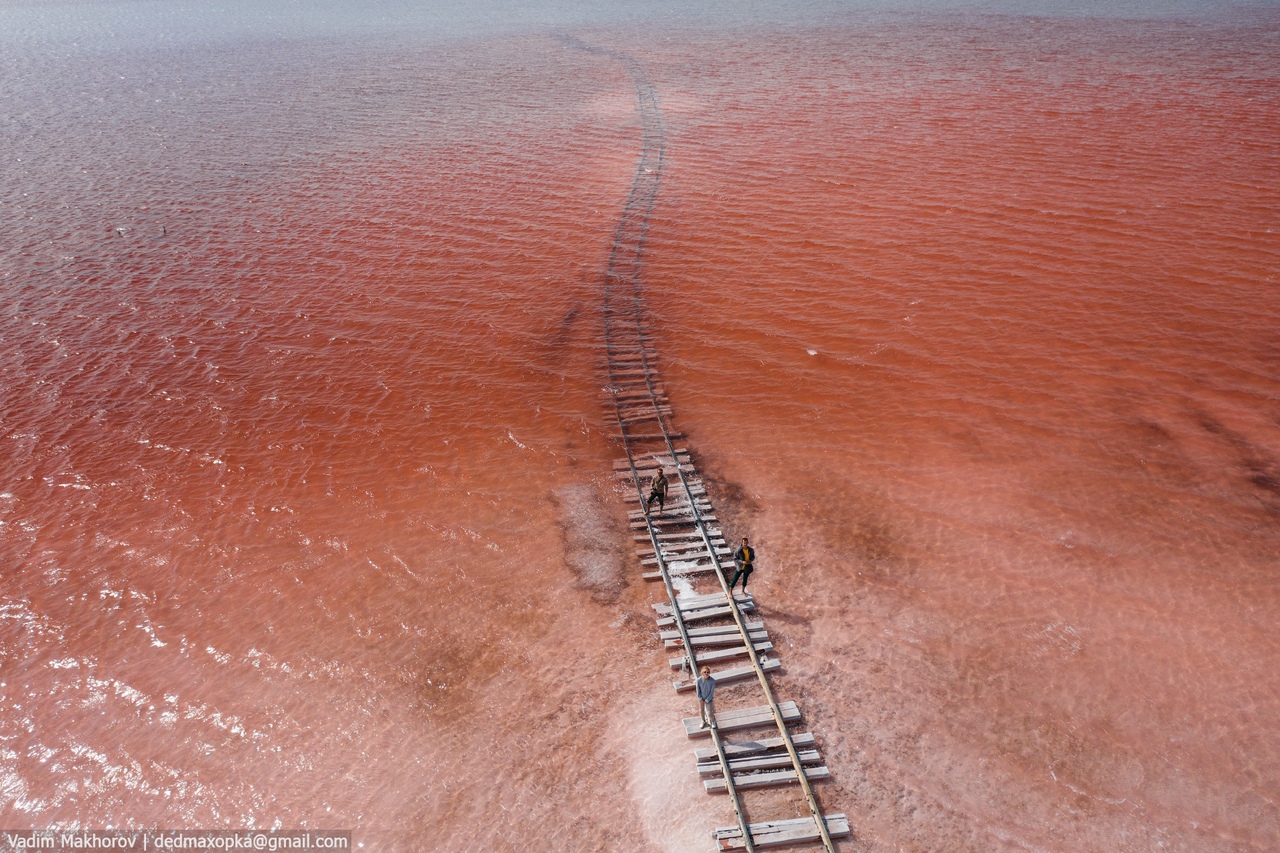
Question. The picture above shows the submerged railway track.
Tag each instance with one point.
(687, 549)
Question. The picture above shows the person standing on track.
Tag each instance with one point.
(657, 491)
(707, 697)
(744, 558)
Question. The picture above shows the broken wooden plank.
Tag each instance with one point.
(684, 565)
(753, 747)
(679, 550)
(654, 577)
(693, 602)
(751, 764)
(683, 571)
(766, 779)
(776, 833)
(691, 555)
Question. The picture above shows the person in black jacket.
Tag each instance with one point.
(743, 558)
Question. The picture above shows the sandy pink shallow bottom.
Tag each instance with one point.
(320, 531)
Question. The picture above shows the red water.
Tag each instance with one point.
(307, 518)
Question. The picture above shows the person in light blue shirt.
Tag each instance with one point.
(707, 697)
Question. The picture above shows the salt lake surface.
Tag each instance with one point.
(306, 517)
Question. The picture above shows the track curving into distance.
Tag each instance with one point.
(686, 542)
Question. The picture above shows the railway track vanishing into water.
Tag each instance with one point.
(685, 549)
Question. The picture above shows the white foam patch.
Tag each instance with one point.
(674, 811)
(682, 586)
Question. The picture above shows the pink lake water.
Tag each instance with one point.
(307, 517)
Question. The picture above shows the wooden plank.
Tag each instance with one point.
(717, 538)
(629, 409)
(711, 630)
(677, 505)
(690, 543)
(648, 469)
(717, 655)
(742, 718)
(676, 511)
(718, 640)
(655, 460)
(637, 402)
(753, 747)
(752, 764)
(636, 386)
(671, 519)
(659, 521)
(633, 399)
(672, 516)
(725, 676)
(676, 500)
(684, 546)
(675, 495)
(674, 487)
(642, 417)
(647, 472)
(776, 833)
(766, 779)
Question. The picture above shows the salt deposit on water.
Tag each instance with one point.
(307, 519)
